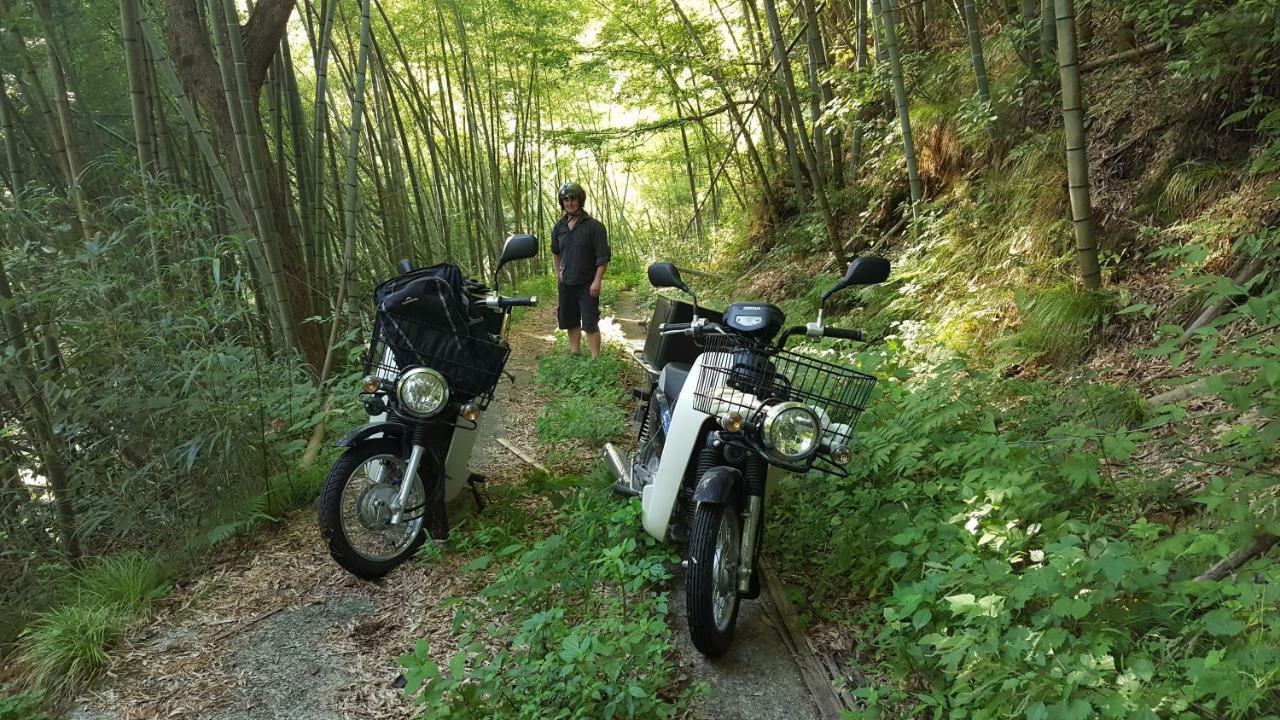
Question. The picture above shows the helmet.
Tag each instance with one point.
(572, 190)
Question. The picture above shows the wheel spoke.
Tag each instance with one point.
(366, 509)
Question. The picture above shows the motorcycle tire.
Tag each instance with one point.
(330, 512)
(711, 592)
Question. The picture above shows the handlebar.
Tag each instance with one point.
(842, 333)
(510, 302)
(701, 327)
(812, 331)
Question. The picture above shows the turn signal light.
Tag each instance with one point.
(731, 421)
(471, 411)
(842, 455)
(371, 384)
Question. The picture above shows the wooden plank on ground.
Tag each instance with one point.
(819, 676)
(520, 454)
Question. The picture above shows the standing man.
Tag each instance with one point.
(580, 247)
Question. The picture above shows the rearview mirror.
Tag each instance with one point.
(665, 274)
(517, 247)
(867, 270)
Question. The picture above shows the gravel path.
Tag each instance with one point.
(275, 630)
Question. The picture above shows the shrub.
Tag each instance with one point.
(67, 646)
(131, 578)
(583, 633)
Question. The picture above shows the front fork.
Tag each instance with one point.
(750, 539)
(419, 437)
(410, 472)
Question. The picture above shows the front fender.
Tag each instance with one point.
(364, 432)
(717, 485)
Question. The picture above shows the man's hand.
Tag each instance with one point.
(595, 288)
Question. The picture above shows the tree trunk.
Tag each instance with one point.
(51, 447)
(815, 169)
(900, 95)
(975, 51)
(718, 78)
(859, 68)
(882, 56)
(1077, 160)
(12, 156)
(136, 70)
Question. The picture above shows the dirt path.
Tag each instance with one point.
(276, 630)
(758, 679)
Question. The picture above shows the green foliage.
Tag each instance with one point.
(1025, 550)
(67, 646)
(21, 704)
(1059, 321)
(131, 578)
(175, 413)
(585, 395)
(583, 632)
(602, 378)
(581, 417)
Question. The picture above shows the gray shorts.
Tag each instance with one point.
(578, 308)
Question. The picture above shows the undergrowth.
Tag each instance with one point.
(585, 395)
(1031, 549)
(583, 630)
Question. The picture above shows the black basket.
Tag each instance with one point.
(471, 364)
(740, 376)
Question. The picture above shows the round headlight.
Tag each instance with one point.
(422, 391)
(791, 430)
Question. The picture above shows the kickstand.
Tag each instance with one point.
(476, 481)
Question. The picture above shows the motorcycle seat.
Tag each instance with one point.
(672, 379)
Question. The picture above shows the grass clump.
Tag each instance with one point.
(585, 395)
(580, 417)
(67, 646)
(131, 579)
(1058, 322)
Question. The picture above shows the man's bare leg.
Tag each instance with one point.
(575, 341)
(593, 341)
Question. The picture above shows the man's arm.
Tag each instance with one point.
(555, 254)
(603, 255)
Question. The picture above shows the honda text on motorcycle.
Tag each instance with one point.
(437, 351)
(728, 407)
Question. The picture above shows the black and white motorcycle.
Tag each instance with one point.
(729, 407)
(436, 354)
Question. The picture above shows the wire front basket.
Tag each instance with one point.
(740, 376)
(471, 364)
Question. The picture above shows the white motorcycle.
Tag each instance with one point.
(728, 408)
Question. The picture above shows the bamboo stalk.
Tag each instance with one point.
(12, 156)
(135, 68)
(1077, 160)
(352, 188)
(900, 97)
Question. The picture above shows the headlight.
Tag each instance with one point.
(422, 391)
(791, 430)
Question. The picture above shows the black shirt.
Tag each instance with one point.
(582, 249)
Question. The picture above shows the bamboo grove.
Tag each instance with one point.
(198, 194)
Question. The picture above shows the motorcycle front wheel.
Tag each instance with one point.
(355, 514)
(711, 594)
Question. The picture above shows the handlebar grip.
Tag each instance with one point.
(843, 333)
(672, 327)
(518, 302)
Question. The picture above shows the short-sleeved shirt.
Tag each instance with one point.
(582, 249)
